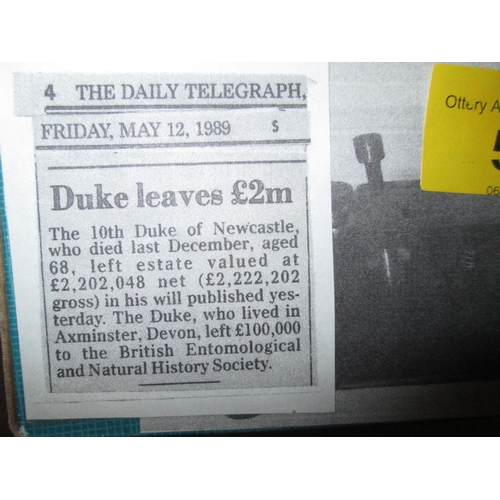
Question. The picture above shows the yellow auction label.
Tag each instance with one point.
(461, 145)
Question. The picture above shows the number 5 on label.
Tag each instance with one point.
(496, 163)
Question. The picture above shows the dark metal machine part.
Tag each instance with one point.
(417, 281)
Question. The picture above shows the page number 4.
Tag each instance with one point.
(49, 92)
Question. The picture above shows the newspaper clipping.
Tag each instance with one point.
(175, 241)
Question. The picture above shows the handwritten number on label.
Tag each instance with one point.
(497, 142)
(49, 92)
(496, 163)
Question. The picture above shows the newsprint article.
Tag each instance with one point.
(246, 249)
(169, 235)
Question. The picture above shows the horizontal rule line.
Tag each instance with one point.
(172, 145)
(181, 383)
(139, 107)
(188, 164)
